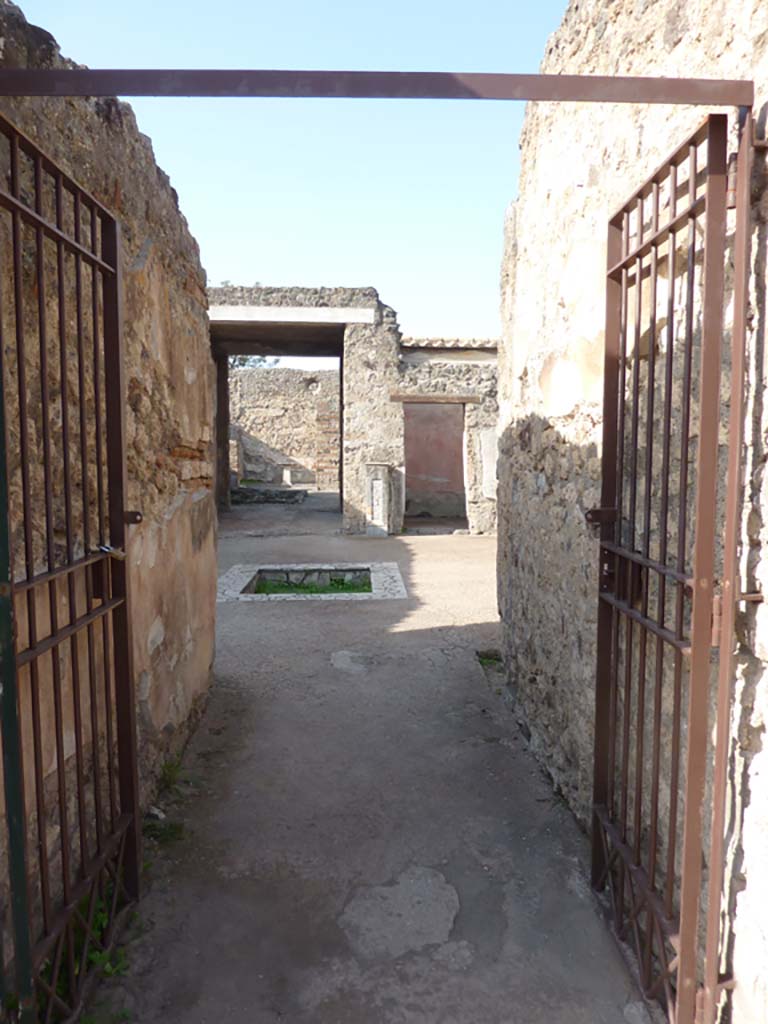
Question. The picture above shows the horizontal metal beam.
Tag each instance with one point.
(374, 85)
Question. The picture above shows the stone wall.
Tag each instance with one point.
(169, 375)
(372, 425)
(550, 380)
(285, 419)
(425, 369)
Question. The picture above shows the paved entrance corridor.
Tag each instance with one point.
(366, 838)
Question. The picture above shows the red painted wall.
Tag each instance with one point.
(434, 462)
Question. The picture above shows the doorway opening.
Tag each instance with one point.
(434, 463)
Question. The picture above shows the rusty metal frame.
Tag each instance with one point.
(664, 927)
(714, 982)
(65, 605)
(374, 85)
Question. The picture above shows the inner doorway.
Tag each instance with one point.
(434, 460)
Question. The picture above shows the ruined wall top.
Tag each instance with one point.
(450, 343)
(267, 295)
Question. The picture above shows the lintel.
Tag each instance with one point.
(440, 399)
(292, 314)
(374, 85)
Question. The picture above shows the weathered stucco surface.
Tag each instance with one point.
(285, 418)
(169, 375)
(550, 389)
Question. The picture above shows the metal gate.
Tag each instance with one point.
(668, 583)
(70, 855)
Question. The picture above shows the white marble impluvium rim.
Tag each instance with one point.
(386, 582)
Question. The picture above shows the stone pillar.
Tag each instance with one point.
(222, 433)
(372, 422)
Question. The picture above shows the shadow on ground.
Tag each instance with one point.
(359, 834)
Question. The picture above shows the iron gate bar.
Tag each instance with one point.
(374, 85)
(663, 551)
(731, 583)
(658, 236)
(125, 703)
(29, 560)
(602, 781)
(628, 742)
(703, 558)
(13, 778)
(73, 875)
(648, 563)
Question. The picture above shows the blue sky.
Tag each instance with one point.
(406, 196)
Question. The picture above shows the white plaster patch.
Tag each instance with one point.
(156, 635)
(489, 455)
(386, 582)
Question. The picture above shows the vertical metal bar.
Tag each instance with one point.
(605, 621)
(99, 440)
(636, 380)
(341, 431)
(97, 397)
(703, 561)
(731, 579)
(619, 564)
(29, 555)
(632, 530)
(663, 549)
(117, 489)
(84, 447)
(646, 575)
(13, 759)
(682, 534)
(71, 592)
(49, 545)
(222, 432)
(663, 529)
(637, 827)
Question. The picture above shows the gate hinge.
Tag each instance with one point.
(133, 518)
(595, 517)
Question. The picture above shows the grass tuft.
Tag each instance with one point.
(334, 587)
(489, 658)
(170, 775)
(164, 831)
